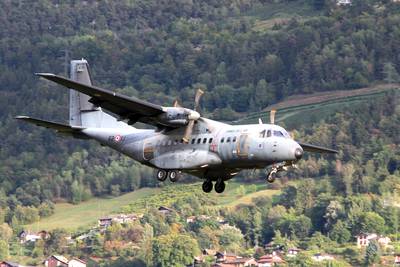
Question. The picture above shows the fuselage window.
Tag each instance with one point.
(199, 141)
(193, 141)
(222, 139)
(228, 140)
(204, 140)
(269, 133)
(234, 139)
(210, 141)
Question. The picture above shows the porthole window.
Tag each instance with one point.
(222, 140)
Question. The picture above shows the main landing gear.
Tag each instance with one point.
(172, 175)
(208, 186)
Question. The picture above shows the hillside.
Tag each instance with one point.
(247, 56)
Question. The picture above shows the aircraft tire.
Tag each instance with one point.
(271, 177)
(219, 186)
(173, 176)
(207, 186)
(162, 175)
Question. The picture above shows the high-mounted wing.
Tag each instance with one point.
(125, 107)
(317, 149)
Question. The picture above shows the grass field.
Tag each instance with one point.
(86, 214)
(71, 217)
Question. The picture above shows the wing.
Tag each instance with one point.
(317, 149)
(125, 107)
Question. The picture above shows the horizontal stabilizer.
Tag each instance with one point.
(317, 149)
(61, 128)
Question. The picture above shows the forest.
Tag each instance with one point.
(162, 50)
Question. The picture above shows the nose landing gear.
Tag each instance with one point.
(271, 174)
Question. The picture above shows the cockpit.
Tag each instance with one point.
(276, 133)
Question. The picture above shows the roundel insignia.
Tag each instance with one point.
(117, 138)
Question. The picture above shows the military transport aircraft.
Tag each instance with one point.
(182, 141)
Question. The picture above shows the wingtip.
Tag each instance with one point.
(21, 117)
(45, 74)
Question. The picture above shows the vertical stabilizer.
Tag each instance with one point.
(81, 112)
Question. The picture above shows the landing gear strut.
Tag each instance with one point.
(207, 186)
(271, 176)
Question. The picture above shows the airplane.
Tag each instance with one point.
(182, 141)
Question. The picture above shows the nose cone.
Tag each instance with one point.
(298, 153)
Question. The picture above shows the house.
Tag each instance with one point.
(238, 262)
(191, 219)
(343, 2)
(105, 222)
(165, 210)
(125, 218)
(269, 260)
(223, 256)
(396, 260)
(27, 236)
(364, 239)
(76, 263)
(10, 264)
(208, 252)
(292, 252)
(322, 257)
(55, 261)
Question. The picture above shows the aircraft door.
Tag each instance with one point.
(243, 146)
(148, 151)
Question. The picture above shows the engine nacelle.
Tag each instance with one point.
(175, 117)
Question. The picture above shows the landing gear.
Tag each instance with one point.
(162, 175)
(173, 176)
(271, 176)
(207, 186)
(219, 186)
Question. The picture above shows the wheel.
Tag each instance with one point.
(207, 186)
(173, 176)
(271, 177)
(219, 186)
(162, 175)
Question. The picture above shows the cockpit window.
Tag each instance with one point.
(278, 134)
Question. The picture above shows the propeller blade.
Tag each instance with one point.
(188, 131)
(272, 116)
(176, 104)
(199, 93)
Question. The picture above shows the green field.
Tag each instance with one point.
(71, 217)
(86, 214)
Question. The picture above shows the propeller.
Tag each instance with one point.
(176, 104)
(272, 116)
(193, 116)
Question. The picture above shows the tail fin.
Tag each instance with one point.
(82, 113)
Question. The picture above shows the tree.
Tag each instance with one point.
(6, 232)
(4, 249)
(390, 73)
(371, 222)
(174, 249)
(372, 253)
(339, 232)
